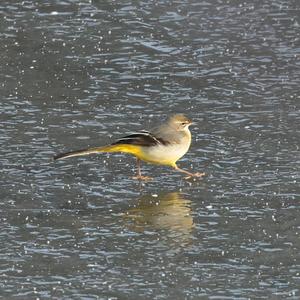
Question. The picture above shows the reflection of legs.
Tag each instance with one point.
(198, 174)
(139, 174)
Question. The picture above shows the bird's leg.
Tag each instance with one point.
(139, 174)
(198, 174)
(138, 163)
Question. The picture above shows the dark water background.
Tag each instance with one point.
(74, 74)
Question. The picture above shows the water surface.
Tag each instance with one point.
(80, 73)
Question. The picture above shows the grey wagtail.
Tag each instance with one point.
(163, 145)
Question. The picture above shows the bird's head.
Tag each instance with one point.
(180, 122)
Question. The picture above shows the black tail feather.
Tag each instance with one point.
(71, 154)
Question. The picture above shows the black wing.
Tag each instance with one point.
(142, 138)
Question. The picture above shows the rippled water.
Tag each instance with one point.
(78, 73)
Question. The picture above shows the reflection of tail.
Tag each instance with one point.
(132, 149)
(169, 211)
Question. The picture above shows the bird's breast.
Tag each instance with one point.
(165, 154)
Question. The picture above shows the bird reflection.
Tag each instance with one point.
(168, 211)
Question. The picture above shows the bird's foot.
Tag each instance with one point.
(193, 175)
(142, 178)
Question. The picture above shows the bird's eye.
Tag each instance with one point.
(183, 123)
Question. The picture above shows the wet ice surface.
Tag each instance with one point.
(75, 74)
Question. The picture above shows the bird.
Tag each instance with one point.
(164, 145)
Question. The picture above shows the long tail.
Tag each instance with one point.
(132, 149)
